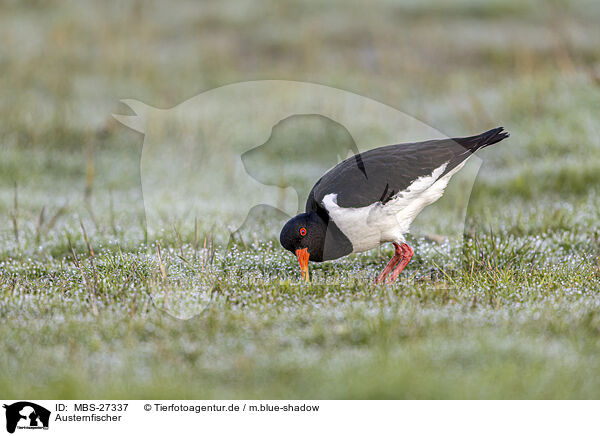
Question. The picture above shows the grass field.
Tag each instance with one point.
(514, 313)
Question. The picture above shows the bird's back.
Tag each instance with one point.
(380, 174)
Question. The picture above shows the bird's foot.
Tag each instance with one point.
(407, 254)
(402, 256)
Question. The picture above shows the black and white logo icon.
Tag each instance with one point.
(26, 415)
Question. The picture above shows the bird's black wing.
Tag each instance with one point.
(379, 174)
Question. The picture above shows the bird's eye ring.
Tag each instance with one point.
(302, 231)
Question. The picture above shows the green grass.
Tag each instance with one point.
(514, 312)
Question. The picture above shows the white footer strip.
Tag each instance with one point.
(304, 417)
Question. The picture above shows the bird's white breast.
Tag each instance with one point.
(370, 226)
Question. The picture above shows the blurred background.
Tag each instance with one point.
(520, 305)
(461, 67)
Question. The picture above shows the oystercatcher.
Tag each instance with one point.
(372, 198)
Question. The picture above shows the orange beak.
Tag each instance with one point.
(303, 256)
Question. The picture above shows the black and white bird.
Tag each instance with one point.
(373, 197)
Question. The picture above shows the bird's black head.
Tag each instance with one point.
(305, 231)
(311, 237)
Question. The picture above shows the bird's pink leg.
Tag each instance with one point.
(391, 264)
(407, 254)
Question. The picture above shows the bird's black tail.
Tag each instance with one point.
(474, 143)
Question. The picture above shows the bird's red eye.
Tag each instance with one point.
(302, 231)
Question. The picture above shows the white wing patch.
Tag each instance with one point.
(370, 226)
